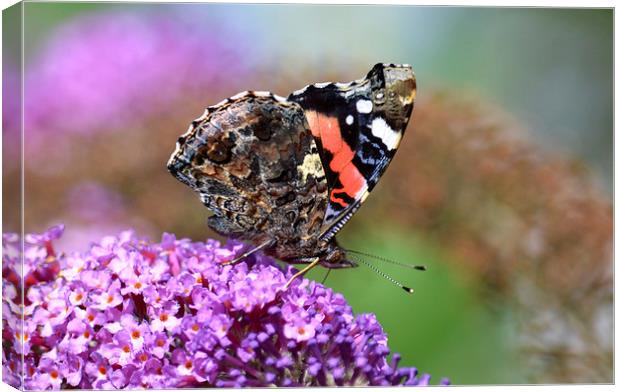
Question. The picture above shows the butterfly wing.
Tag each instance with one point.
(358, 127)
(254, 163)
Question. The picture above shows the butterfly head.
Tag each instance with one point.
(334, 256)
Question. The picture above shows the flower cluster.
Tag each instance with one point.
(134, 314)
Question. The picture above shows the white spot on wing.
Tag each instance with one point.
(201, 118)
(364, 106)
(388, 136)
(221, 103)
(300, 91)
(240, 95)
(173, 156)
(349, 119)
(362, 194)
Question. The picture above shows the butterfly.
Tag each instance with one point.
(286, 174)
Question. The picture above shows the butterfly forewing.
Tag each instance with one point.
(358, 127)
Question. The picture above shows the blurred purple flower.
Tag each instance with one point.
(93, 210)
(203, 324)
(93, 201)
(11, 98)
(106, 70)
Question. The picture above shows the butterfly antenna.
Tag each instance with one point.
(326, 275)
(415, 267)
(385, 276)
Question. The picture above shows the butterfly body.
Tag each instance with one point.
(287, 174)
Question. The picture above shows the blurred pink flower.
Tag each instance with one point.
(11, 98)
(107, 70)
(95, 210)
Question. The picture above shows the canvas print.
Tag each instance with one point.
(223, 195)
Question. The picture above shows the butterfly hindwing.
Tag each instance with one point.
(254, 163)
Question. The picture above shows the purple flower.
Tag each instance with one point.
(120, 350)
(78, 338)
(11, 126)
(48, 375)
(104, 71)
(158, 344)
(108, 298)
(114, 323)
(163, 318)
(82, 197)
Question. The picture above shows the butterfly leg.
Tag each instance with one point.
(249, 252)
(307, 268)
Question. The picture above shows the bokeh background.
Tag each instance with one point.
(502, 186)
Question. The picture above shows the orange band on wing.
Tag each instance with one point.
(328, 130)
(313, 121)
(351, 179)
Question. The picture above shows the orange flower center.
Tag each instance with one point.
(163, 317)
(135, 334)
(102, 370)
(188, 364)
(195, 327)
(126, 349)
(79, 297)
(143, 357)
(160, 342)
(301, 331)
(19, 336)
(137, 285)
(86, 334)
(110, 299)
(90, 317)
(54, 374)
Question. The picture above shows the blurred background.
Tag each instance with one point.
(502, 186)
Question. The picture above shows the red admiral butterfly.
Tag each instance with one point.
(287, 173)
